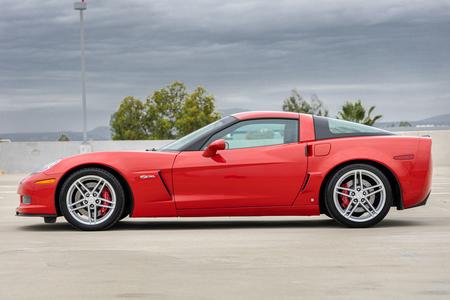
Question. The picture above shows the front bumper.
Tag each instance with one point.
(19, 214)
(42, 196)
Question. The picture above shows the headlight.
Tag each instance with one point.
(46, 167)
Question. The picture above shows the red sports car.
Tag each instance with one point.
(248, 164)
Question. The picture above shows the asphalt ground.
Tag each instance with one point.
(407, 256)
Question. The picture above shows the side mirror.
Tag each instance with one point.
(215, 146)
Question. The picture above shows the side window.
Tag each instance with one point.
(326, 128)
(257, 133)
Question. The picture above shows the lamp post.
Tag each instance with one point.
(82, 6)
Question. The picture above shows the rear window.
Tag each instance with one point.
(326, 128)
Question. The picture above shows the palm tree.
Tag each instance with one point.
(356, 112)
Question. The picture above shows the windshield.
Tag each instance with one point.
(181, 143)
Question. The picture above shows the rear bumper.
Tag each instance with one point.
(423, 202)
(416, 180)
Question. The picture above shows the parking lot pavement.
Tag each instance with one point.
(406, 256)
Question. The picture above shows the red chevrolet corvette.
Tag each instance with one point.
(248, 164)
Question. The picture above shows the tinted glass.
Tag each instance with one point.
(326, 128)
(257, 133)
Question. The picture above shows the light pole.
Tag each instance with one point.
(82, 6)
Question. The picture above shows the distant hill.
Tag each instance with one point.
(436, 120)
(439, 121)
(98, 134)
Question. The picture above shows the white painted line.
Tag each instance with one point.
(8, 192)
(440, 193)
(8, 186)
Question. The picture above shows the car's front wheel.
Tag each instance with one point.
(358, 195)
(92, 199)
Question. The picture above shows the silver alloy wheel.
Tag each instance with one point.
(359, 195)
(91, 200)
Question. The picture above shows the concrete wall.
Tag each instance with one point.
(440, 147)
(23, 157)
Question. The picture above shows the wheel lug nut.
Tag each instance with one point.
(96, 201)
(92, 205)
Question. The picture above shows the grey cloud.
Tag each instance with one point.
(250, 54)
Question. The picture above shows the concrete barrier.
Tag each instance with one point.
(440, 147)
(23, 157)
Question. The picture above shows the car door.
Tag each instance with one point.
(263, 165)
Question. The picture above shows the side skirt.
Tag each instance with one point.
(250, 211)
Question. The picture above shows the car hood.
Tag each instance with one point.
(126, 161)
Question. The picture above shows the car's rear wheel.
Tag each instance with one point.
(92, 199)
(358, 195)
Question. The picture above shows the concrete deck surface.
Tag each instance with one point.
(406, 257)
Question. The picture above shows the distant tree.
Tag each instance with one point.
(317, 106)
(356, 112)
(168, 113)
(63, 138)
(163, 108)
(296, 103)
(198, 110)
(404, 124)
(127, 122)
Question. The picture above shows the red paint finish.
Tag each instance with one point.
(41, 195)
(322, 149)
(404, 157)
(261, 176)
(414, 176)
(306, 128)
(270, 180)
(215, 146)
(248, 115)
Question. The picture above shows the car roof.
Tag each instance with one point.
(266, 114)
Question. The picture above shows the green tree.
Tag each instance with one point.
(356, 112)
(296, 103)
(404, 124)
(168, 113)
(163, 108)
(198, 110)
(128, 122)
(63, 138)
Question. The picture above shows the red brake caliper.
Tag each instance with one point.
(105, 195)
(345, 200)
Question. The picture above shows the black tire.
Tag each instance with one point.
(326, 213)
(338, 216)
(124, 215)
(118, 209)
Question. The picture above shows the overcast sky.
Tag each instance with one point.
(249, 54)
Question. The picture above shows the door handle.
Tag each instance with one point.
(308, 150)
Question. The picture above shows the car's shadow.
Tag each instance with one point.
(219, 224)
